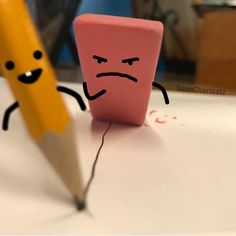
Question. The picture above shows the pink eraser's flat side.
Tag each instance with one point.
(127, 83)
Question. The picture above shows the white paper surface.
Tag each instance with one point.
(176, 177)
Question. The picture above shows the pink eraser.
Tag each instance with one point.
(118, 55)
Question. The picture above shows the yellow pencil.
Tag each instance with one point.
(23, 61)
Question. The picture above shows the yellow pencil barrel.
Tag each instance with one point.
(21, 54)
(24, 62)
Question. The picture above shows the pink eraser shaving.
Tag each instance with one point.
(118, 55)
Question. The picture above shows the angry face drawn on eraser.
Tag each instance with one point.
(118, 57)
(130, 61)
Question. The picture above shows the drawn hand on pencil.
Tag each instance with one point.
(31, 77)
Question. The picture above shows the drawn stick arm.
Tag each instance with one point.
(73, 94)
(165, 95)
(7, 114)
(93, 97)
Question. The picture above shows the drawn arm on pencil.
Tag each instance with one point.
(73, 94)
(164, 93)
(93, 97)
(7, 114)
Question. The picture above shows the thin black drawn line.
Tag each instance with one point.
(95, 164)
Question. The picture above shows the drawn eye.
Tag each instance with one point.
(9, 65)
(38, 54)
(130, 61)
(99, 59)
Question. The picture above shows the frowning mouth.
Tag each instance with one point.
(30, 76)
(117, 74)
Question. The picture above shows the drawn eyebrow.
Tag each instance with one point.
(99, 58)
(132, 59)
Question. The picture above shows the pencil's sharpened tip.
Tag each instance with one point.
(80, 204)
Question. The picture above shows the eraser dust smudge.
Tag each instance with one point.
(160, 121)
(152, 111)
